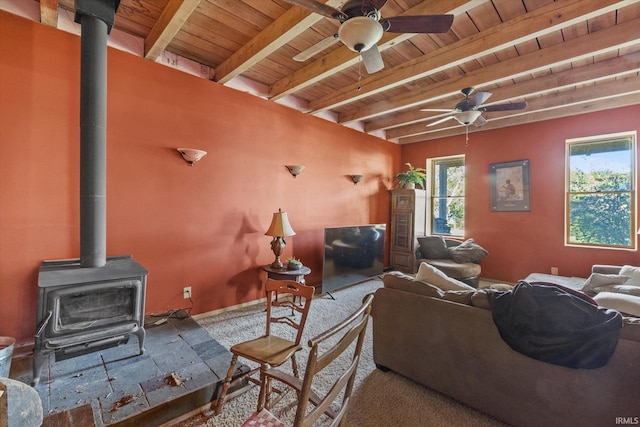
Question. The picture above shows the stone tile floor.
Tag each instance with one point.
(118, 386)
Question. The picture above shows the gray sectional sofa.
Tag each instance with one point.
(448, 341)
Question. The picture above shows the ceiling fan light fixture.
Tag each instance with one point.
(360, 33)
(468, 117)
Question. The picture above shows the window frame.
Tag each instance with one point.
(430, 167)
(569, 143)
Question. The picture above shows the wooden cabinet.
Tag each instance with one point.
(408, 222)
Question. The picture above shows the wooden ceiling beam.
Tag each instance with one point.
(281, 31)
(405, 123)
(541, 21)
(49, 12)
(172, 18)
(343, 57)
(617, 37)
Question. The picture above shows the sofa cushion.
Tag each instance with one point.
(480, 299)
(467, 251)
(461, 297)
(621, 289)
(633, 273)
(430, 274)
(404, 282)
(433, 247)
(624, 303)
(456, 270)
(597, 280)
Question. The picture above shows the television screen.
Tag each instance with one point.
(352, 255)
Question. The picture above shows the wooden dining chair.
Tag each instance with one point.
(273, 350)
(324, 350)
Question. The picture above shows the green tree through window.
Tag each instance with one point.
(447, 195)
(601, 191)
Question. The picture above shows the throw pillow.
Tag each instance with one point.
(404, 282)
(433, 247)
(467, 251)
(633, 273)
(430, 274)
(597, 280)
(623, 303)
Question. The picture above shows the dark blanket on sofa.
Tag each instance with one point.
(555, 325)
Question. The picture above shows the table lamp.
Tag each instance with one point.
(279, 228)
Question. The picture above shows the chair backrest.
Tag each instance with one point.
(337, 339)
(275, 290)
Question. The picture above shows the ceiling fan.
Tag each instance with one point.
(361, 27)
(469, 110)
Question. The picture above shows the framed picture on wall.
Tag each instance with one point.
(510, 186)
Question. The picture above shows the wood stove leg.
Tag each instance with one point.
(141, 333)
(38, 359)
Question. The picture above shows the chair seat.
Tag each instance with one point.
(271, 349)
(264, 418)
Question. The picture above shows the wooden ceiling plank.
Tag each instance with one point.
(167, 26)
(538, 116)
(518, 30)
(624, 86)
(611, 38)
(292, 23)
(49, 13)
(342, 57)
(590, 73)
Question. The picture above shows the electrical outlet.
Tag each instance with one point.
(186, 292)
(554, 271)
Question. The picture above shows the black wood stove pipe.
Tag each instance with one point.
(96, 19)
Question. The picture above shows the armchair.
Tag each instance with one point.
(458, 260)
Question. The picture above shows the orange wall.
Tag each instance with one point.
(201, 226)
(520, 243)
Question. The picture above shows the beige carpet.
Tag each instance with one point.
(380, 398)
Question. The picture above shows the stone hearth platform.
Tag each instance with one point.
(179, 372)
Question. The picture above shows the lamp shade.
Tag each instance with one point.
(360, 33)
(280, 225)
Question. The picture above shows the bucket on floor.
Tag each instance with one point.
(6, 352)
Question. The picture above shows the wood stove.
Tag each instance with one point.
(95, 301)
(81, 310)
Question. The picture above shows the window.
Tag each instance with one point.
(446, 183)
(601, 191)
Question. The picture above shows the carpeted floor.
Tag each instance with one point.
(379, 399)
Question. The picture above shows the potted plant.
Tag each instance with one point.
(408, 179)
(294, 263)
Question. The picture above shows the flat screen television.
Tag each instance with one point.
(352, 254)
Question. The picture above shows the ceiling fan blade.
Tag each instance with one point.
(480, 121)
(372, 59)
(369, 5)
(479, 99)
(444, 119)
(320, 8)
(505, 107)
(438, 110)
(316, 48)
(417, 24)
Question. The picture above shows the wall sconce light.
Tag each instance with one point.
(278, 229)
(295, 170)
(191, 155)
(356, 178)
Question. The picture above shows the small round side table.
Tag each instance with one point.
(286, 274)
